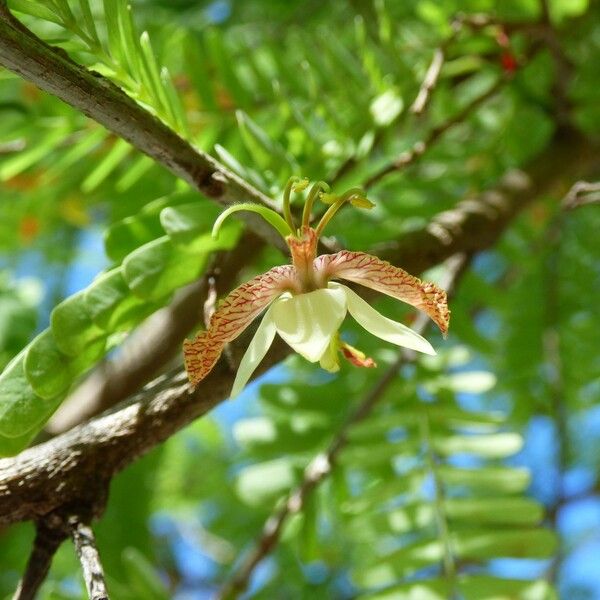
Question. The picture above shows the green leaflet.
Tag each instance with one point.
(470, 587)
(386, 108)
(499, 445)
(467, 545)
(264, 482)
(159, 267)
(72, 325)
(20, 408)
(129, 234)
(112, 306)
(143, 578)
(48, 370)
(499, 480)
(188, 225)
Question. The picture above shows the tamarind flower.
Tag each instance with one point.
(303, 303)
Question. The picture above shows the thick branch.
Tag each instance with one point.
(52, 70)
(79, 464)
(85, 545)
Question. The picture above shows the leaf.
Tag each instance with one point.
(111, 304)
(400, 563)
(263, 482)
(107, 165)
(483, 545)
(264, 150)
(142, 577)
(134, 173)
(128, 38)
(221, 57)
(256, 429)
(472, 382)
(46, 367)
(132, 232)
(386, 108)
(50, 372)
(152, 80)
(234, 164)
(470, 587)
(73, 327)
(36, 9)
(158, 268)
(498, 480)
(189, 226)
(494, 511)
(381, 491)
(499, 445)
(486, 587)
(20, 408)
(374, 453)
(431, 589)
(111, 16)
(23, 160)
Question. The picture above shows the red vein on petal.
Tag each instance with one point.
(380, 275)
(232, 316)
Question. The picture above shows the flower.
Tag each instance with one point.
(303, 303)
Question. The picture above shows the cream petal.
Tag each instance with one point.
(258, 347)
(380, 326)
(307, 321)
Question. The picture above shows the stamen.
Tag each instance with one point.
(356, 197)
(287, 212)
(312, 196)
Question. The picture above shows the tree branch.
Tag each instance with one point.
(581, 193)
(85, 545)
(49, 535)
(322, 465)
(53, 71)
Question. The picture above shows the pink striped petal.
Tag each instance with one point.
(380, 275)
(232, 316)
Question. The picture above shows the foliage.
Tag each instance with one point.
(439, 483)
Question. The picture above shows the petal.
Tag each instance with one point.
(307, 321)
(260, 344)
(329, 359)
(232, 316)
(381, 326)
(380, 275)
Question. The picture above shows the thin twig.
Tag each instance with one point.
(430, 80)
(582, 192)
(419, 148)
(85, 545)
(49, 535)
(476, 21)
(321, 466)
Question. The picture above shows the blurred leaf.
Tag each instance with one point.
(386, 108)
(263, 482)
(72, 326)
